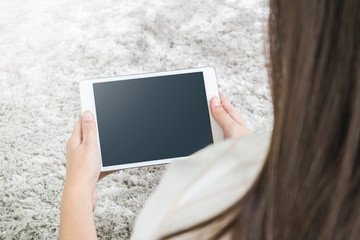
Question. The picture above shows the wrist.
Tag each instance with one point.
(77, 190)
(76, 214)
(80, 182)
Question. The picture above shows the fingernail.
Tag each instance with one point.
(215, 102)
(87, 116)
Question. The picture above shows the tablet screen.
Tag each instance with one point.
(152, 118)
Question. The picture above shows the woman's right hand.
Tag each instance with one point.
(228, 117)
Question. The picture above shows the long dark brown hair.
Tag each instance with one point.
(309, 187)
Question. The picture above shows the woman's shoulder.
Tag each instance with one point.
(199, 187)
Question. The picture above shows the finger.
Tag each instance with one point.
(231, 110)
(104, 174)
(75, 138)
(221, 116)
(89, 134)
(76, 134)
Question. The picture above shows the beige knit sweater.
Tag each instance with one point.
(201, 186)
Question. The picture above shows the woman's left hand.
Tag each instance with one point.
(82, 173)
(83, 158)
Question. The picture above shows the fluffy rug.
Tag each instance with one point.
(47, 47)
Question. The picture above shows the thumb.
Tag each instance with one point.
(88, 128)
(221, 116)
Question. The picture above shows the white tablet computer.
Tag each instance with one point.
(152, 118)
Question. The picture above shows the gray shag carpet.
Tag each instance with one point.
(47, 47)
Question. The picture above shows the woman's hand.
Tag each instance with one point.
(83, 158)
(229, 119)
(82, 173)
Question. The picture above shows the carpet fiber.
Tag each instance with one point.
(47, 47)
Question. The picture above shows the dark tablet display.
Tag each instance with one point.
(152, 118)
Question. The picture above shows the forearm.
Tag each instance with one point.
(76, 216)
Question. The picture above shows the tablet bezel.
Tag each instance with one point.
(88, 103)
